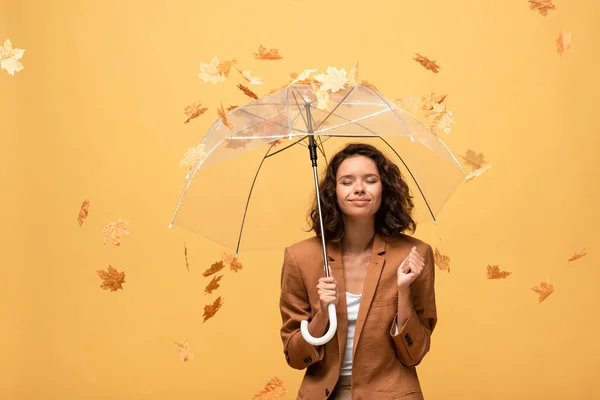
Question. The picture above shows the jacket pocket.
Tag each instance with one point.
(384, 302)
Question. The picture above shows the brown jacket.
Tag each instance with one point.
(383, 364)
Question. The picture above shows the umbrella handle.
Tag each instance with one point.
(330, 332)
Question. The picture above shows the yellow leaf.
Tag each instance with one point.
(563, 43)
(264, 54)
(408, 103)
(334, 80)
(210, 72)
(225, 67)
(9, 58)
(248, 76)
(193, 156)
(113, 232)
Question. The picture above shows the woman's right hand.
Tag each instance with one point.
(328, 291)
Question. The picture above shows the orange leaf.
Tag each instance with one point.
(563, 43)
(473, 159)
(223, 116)
(211, 309)
(441, 260)
(232, 261)
(193, 111)
(544, 289)
(187, 264)
(542, 6)
(112, 279)
(495, 273)
(273, 388)
(83, 211)
(184, 351)
(225, 67)
(232, 107)
(247, 91)
(213, 285)
(114, 230)
(427, 63)
(367, 84)
(264, 54)
(577, 254)
(216, 267)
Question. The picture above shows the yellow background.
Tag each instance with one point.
(97, 114)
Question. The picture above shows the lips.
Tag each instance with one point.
(360, 202)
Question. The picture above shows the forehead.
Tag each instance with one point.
(357, 165)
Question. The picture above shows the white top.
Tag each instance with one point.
(353, 303)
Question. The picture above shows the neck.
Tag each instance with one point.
(358, 235)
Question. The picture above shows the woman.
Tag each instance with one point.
(386, 312)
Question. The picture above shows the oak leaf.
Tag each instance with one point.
(83, 212)
(577, 254)
(247, 91)
(211, 309)
(213, 285)
(193, 111)
(264, 54)
(214, 268)
(441, 260)
(427, 63)
(493, 272)
(185, 353)
(114, 230)
(111, 278)
(544, 289)
(273, 388)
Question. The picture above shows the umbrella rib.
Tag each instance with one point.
(335, 108)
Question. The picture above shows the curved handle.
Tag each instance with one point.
(330, 332)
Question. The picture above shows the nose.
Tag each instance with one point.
(359, 188)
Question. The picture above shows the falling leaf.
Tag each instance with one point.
(544, 289)
(495, 273)
(83, 211)
(185, 251)
(184, 351)
(9, 58)
(440, 119)
(252, 79)
(225, 67)
(441, 260)
(232, 261)
(430, 100)
(247, 91)
(409, 104)
(111, 279)
(216, 267)
(477, 173)
(264, 54)
(370, 86)
(273, 388)
(577, 254)
(334, 80)
(542, 6)
(473, 159)
(232, 107)
(211, 309)
(428, 64)
(353, 75)
(302, 78)
(113, 232)
(193, 156)
(223, 115)
(213, 285)
(210, 72)
(193, 111)
(563, 43)
(322, 96)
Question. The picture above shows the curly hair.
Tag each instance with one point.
(394, 214)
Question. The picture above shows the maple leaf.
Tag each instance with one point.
(111, 278)
(185, 251)
(477, 173)
(210, 72)
(542, 6)
(193, 111)
(427, 63)
(430, 100)
(577, 254)
(113, 232)
(9, 58)
(442, 122)
(273, 388)
(214, 268)
(213, 284)
(232, 261)
(185, 353)
(211, 309)
(247, 91)
(473, 159)
(223, 115)
(334, 80)
(225, 67)
(83, 212)
(441, 260)
(495, 273)
(264, 54)
(563, 43)
(252, 79)
(544, 289)
(193, 156)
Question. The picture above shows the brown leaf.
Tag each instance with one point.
(193, 111)
(216, 267)
(273, 388)
(232, 261)
(264, 54)
(542, 6)
(441, 260)
(184, 351)
(427, 63)
(495, 273)
(187, 264)
(473, 159)
(111, 279)
(577, 254)
(544, 289)
(223, 116)
(113, 232)
(225, 66)
(247, 91)
(211, 309)
(83, 211)
(213, 285)
(563, 42)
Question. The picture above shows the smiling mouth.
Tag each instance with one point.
(359, 202)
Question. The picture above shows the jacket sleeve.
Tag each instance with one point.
(412, 341)
(295, 307)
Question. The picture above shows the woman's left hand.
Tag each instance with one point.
(410, 269)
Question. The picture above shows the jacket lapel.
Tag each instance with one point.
(334, 253)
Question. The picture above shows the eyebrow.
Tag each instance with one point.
(352, 176)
